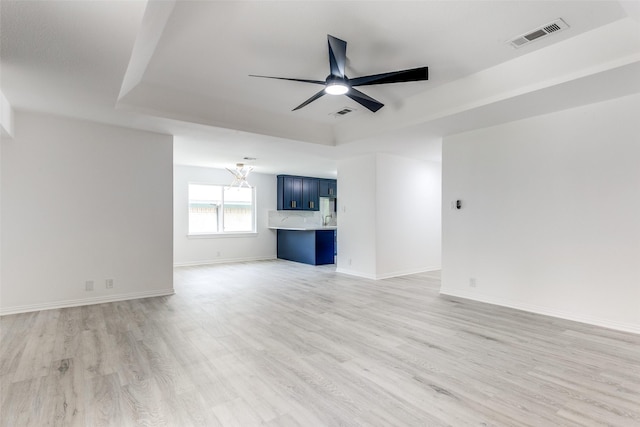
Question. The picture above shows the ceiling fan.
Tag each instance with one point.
(337, 83)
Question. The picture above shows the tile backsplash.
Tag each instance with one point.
(302, 219)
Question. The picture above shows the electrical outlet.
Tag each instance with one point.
(218, 254)
(88, 285)
(349, 261)
(472, 282)
(109, 283)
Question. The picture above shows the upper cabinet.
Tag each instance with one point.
(310, 199)
(298, 193)
(328, 188)
(289, 192)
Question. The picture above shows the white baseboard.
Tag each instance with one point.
(355, 273)
(546, 311)
(84, 301)
(406, 272)
(222, 261)
(385, 275)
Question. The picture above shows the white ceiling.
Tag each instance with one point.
(183, 68)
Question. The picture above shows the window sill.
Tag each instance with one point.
(222, 235)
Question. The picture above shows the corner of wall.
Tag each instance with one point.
(6, 117)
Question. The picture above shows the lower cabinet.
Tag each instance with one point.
(315, 247)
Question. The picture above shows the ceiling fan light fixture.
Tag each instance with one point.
(336, 89)
(337, 82)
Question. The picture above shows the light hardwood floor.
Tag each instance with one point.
(276, 343)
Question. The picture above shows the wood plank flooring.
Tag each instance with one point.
(277, 343)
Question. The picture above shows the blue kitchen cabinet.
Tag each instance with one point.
(310, 198)
(328, 188)
(298, 193)
(289, 192)
(315, 247)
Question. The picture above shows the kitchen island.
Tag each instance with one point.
(309, 245)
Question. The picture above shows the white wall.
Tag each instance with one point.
(3, 140)
(6, 117)
(205, 250)
(389, 216)
(6, 133)
(357, 216)
(83, 201)
(551, 214)
(408, 225)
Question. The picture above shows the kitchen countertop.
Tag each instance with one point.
(309, 228)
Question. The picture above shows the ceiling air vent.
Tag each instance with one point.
(552, 27)
(343, 112)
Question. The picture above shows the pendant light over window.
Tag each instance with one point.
(240, 174)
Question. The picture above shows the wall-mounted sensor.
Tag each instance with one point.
(458, 204)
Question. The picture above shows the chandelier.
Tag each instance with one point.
(240, 174)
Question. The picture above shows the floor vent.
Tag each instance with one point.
(550, 28)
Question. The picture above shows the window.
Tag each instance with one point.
(216, 209)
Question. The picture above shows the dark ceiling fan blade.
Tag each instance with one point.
(337, 55)
(412, 75)
(364, 100)
(337, 83)
(310, 100)
(318, 82)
